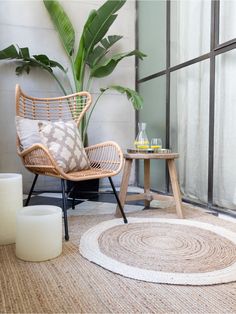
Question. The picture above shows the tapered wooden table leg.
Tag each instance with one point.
(175, 187)
(147, 196)
(124, 185)
(147, 185)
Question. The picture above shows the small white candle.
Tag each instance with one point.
(39, 233)
(11, 200)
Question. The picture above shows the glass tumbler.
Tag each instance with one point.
(156, 143)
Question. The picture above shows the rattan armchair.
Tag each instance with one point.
(105, 159)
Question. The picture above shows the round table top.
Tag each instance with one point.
(140, 155)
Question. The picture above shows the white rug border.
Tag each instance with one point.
(89, 249)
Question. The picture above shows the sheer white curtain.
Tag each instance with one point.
(190, 29)
(227, 20)
(190, 37)
(225, 131)
(189, 128)
(225, 113)
(190, 102)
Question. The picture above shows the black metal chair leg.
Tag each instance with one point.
(31, 190)
(73, 198)
(64, 208)
(118, 200)
(73, 203)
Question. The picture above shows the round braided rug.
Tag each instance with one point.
(172, 251)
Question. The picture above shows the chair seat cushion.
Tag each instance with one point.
(64, 143)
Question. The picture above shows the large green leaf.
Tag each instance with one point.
(101, 23)
(107, 67)
(96, 32)
(25, 67)
(110, 41)
(62, 24)
(97, 25)
(79, 64)
(39, 62)
(23, 55)
(99, 52)
(9, 53)
(131, 94)
(50, 63)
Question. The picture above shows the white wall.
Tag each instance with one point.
(27, 23)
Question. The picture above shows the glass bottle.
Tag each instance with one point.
(141, 141)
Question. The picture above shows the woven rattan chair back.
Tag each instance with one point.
(72, 107)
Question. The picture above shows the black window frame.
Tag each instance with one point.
(216, 49)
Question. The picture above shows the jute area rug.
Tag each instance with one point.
(163, 250)
(72, 284)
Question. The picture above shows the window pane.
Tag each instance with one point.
(227, 20)
(190, 29)
(154, 114)
(152, 36)
(225, 131)
(189, 128)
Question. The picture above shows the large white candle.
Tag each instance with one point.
(11, 200)
(39, 233)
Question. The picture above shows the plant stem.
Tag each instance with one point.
(74, 74)
(71, 89)
(50, 72)
(58, 82)
(89, 116)
(89, 84)
(81, 76)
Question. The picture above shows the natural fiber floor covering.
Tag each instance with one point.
(163, 250)
(71, 284)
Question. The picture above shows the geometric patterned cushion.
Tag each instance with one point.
(64, 143)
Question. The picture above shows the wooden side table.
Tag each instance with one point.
(148, 196)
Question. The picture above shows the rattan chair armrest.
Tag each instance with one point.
(38, 157)
(105, 156)
(28, 150)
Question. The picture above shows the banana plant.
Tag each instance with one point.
(91, 56)
(90, 61)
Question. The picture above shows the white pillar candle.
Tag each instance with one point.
(39, 233)
(11, 200)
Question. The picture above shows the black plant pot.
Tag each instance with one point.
(79, 189)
